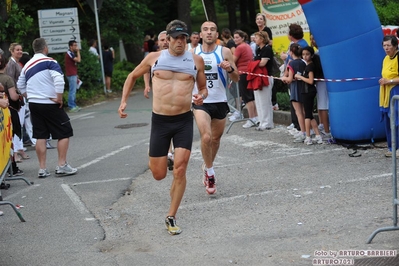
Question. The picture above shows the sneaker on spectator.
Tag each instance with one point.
(170, 223)
(325, 136)
(293, 131)
(43, 173)
(65, 170)
(318, 139)
(298, 134)
(308, 141)
(235, 116)
(300, 138)
(292, 126)
(250, 123)
(74, 110)
(17, 172)
(321, 127)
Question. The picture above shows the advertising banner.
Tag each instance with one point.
(5, 138)
(279, 15)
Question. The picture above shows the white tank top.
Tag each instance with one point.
(216, 77)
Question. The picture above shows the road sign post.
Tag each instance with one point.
(58, 27)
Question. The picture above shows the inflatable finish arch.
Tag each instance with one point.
(349, 37)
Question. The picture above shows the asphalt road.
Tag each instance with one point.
(278, 202)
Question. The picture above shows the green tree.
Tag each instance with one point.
(15, 26)
(388, 11)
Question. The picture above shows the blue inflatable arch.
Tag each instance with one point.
(349, 37)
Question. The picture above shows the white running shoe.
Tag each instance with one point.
(292, 126)
(249, 124)
(308, 141)
(318, 139)
(235, 116)
(300, 138)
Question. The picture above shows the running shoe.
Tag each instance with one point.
(235, 116)
(65, 170)
(250, 123)
(170, 223)
(43, 173)
(205, 175)
(318, 139)
(308, 141)
(300, 138)
(291, 126)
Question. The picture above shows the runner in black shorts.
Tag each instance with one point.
(214, 110)
(164, 128)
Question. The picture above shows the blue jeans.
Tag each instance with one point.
(73, 82)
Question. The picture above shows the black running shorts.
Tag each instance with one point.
(165, 128)
(214, 110)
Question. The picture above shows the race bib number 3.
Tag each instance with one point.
(210, 79)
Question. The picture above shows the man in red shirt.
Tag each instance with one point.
(72, 58)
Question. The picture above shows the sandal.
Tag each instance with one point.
(24, 156)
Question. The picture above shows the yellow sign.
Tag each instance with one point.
(5, 138)
(279, 15)
(9, 2)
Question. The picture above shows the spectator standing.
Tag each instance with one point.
(9, 89)
(72, 58)
(242, 56)
(296, 87)
(263, 94)
(13, 69)
(308, 95)
(389, 87)
(43, 82)
(93, 48)
(108, 60)
(260, 21)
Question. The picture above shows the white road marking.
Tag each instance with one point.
(102, 181)
(104, 157)
(75, 199)
(230, 199)
(80, 116)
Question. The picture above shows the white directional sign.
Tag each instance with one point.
(58, 27)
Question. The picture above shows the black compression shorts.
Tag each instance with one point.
(164, 128)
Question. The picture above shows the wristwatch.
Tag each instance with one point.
(203, 96)
(391, 81)
(231, 71)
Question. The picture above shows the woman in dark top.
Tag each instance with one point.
(308, 94)
(260, 21)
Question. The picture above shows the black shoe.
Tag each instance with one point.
(18, 172)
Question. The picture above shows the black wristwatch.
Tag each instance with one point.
(231, 71)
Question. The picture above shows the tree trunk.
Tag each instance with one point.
(133, 53)
(231, 10)
(252, 7)
(210, 10)
(243, 13)
(183, 11)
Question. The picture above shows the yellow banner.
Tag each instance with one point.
(9, 2)
(5, 138)
(279, 15)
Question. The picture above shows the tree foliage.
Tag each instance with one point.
(388, 11)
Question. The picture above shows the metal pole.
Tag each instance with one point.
(99, 44)
(206, 14)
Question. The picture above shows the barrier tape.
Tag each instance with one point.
(329, 80)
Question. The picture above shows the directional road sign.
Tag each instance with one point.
(58, 27)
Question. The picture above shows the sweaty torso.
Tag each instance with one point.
(172, 83)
